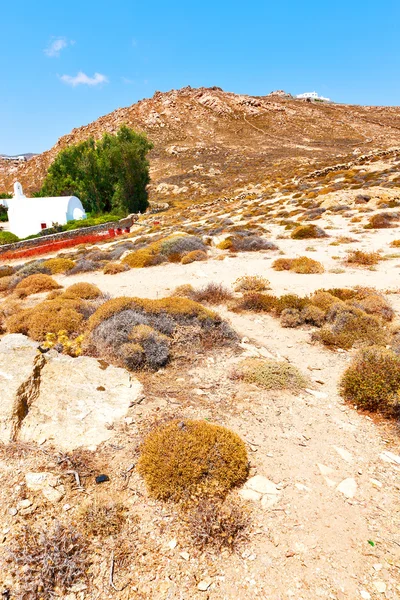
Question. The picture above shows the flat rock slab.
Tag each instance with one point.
(18, 356)
(78, 402)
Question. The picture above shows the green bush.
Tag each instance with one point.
(271, 374)
(6, 237)
(372, 381)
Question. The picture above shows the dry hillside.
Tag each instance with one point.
(208, 142)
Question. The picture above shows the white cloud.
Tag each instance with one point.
(128, 81)
(56, 45)
(83, 79)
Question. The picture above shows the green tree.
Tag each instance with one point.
(110, 175)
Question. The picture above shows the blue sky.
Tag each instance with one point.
(63, 64)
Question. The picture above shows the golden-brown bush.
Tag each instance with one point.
(188, 457)
(372, 381)
(33, 284)
(113, 268)
(352, 326)
(59, 265)
(226, 244)
(251, 283)
(83, 291)
(6, 271)
(50, 316)
(194, 256)
(270, 374)
(302, 265)
(282, 264)
(307, 232)
(360, 258)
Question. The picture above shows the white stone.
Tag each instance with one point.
(249, 495)
(376, 483)
(24, 504)
(199, 392)
(316, 394)
(37, 481)
(390, 457)
(269, 500)
(12, 511)
(324, 470)
(365, 595)
(184, 555)
(53, 494)
(380, 586)
(302, 487)
(172, 544)
(204, 585)
(262, 485)
(377, 566)
(347, 487)
(344, 454)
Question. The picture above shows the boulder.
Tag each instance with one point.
(20, 365)
(70, 402)
(78, 403)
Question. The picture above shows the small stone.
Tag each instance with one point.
(172, 544)
(204, 585)
(53, 494)
(344, 454)
(37, 481)
(380, 586)
(102, 478)
(269, 500)
(377, 566)
(347, 487)
(184, 555)
(12, 511)
(66, 507)
(253, 448)
(129, 420)
(24, 504)
(199, 392)
(262, 485)
(249, 495)
(390, 457)
(376, 483)
(302, 487)
(365, 595)
(180, 379)
(316, 394)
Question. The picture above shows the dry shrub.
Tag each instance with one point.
(6, 271)
(33, 284)
(382, 220)
(250, 243)
(194, 256)
(226, 244)
(212, 293)
(102, 517)
(83, 291)
(217, 525)
(313, 315)
(291, 317)
(113, 268)
(372, 381)
(282, 264)
(84, 266)
(5, 283)
(352, 326)
(360, 258)
(307, 232)
(50, 316)
(372, 302)
(302, 265)
(251, 283)
(270, 374)
(49, 561)
(145, 257)
(59, 265)
(395, 244)
(254, 301)
(184, 458)
(171, 249)
(305, 265)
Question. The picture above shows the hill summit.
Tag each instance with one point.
(209, 142)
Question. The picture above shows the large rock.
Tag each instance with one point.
(70, 402)
(20, 365)
(79, 400)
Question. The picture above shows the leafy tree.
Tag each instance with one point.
(110, 175)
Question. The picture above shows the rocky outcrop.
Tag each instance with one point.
(69, 402)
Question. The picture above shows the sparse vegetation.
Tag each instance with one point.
(59, 265)
(372, 381)
(251, 283)
(303, 232)
(302, 265)
(188, 457)
(270, 374)
(113, 268)
(360, 258)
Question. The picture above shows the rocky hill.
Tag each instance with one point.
(208, 142)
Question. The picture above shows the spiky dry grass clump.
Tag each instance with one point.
(350, 326)
(251, 283)
(217, 525)
(194, 256)
(270, 374)
(360, 258)
(185, 458)
(33, 284)
(211, 293)
(83, 291)
(102, 517)
(113, 268)
(372, 381)
(291, 317)
(48, 561)
(59, 265)
(304, 232)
